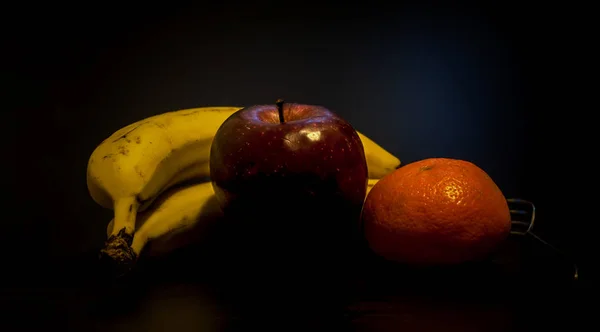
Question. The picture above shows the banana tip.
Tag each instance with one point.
(117, 254)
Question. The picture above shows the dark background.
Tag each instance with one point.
(500, 85)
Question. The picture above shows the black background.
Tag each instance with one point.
(500, 85)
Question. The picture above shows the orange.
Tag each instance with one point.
(435, 211)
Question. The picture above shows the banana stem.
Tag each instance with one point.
(125, 213)
(117, 248)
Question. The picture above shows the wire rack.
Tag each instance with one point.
(523, 221)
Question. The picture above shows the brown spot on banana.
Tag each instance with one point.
(139, 171)
(123, 150)
(128, 132)
(125, 210)
(160, 125)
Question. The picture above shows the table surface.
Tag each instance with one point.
(523, 287)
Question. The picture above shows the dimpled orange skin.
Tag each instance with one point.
(436, 211)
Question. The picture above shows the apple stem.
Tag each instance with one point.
(279, 104)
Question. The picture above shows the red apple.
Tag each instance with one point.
(293, 177)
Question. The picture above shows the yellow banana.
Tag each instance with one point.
(379, 161)
(370, 184)
(145, 157)
(130, 168)
(176, 219)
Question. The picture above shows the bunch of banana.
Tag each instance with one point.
(154, 157)
(177, 218)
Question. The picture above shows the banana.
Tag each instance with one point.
(129, 169)
(370, 183)
(151, 154)
(134, 165)
(379, 161)
(177, 218)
